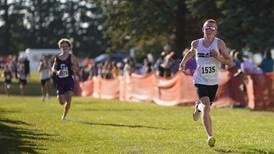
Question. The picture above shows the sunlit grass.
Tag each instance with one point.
(29, 125)
(120, 127)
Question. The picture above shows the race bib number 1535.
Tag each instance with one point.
(208, 70)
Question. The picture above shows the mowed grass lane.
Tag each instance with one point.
(109, 126)
(29, 125)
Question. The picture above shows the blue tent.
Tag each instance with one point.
(118, 57)
(102, 58)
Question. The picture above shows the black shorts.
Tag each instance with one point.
(7, 81)
(206, 91)
(23, 82)
(43, 81)
(64, 85)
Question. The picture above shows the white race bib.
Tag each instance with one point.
(208, 71)
(63, 73)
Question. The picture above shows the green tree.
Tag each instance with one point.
(13, 33)
(41, 23)
(84, 23)
(145, 24)
(248, 23)
(77, 20)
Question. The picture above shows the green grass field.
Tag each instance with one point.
(28, 125)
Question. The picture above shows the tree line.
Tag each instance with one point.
(97, 26)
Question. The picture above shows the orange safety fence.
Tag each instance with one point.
(261, 92)
(107, 89)
(77, 88)
(231, 90)
(86, 88)
(257, 93)
(140, 87)
(174, 91)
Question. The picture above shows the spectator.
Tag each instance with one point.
(158, 68)
(26, 66)
(128, 67)
(106, 70)
(267, 63)
(236, 62)
(247, 66)
(146, 68)
(168, 60)
(91, 71)
(99, 69)
(115, 71)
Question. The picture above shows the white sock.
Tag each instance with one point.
(201, 107)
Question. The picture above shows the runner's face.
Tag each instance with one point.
(210, 29)
(65, 47)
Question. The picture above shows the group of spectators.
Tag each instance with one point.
(166, 65)
(247, 67)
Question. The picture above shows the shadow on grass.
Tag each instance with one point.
(120, 125)
(244, 150)
(110, 110)
(15, 139)
(8, 111)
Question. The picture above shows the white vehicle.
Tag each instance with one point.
(34, 56)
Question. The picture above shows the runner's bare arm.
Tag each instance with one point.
(223, 57)
(188, 55)
(53, 68)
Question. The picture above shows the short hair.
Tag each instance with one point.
(210, 21)
(233, 52)
(64, 40)
(239, 56)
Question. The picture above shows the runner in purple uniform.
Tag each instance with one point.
(65, 65)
